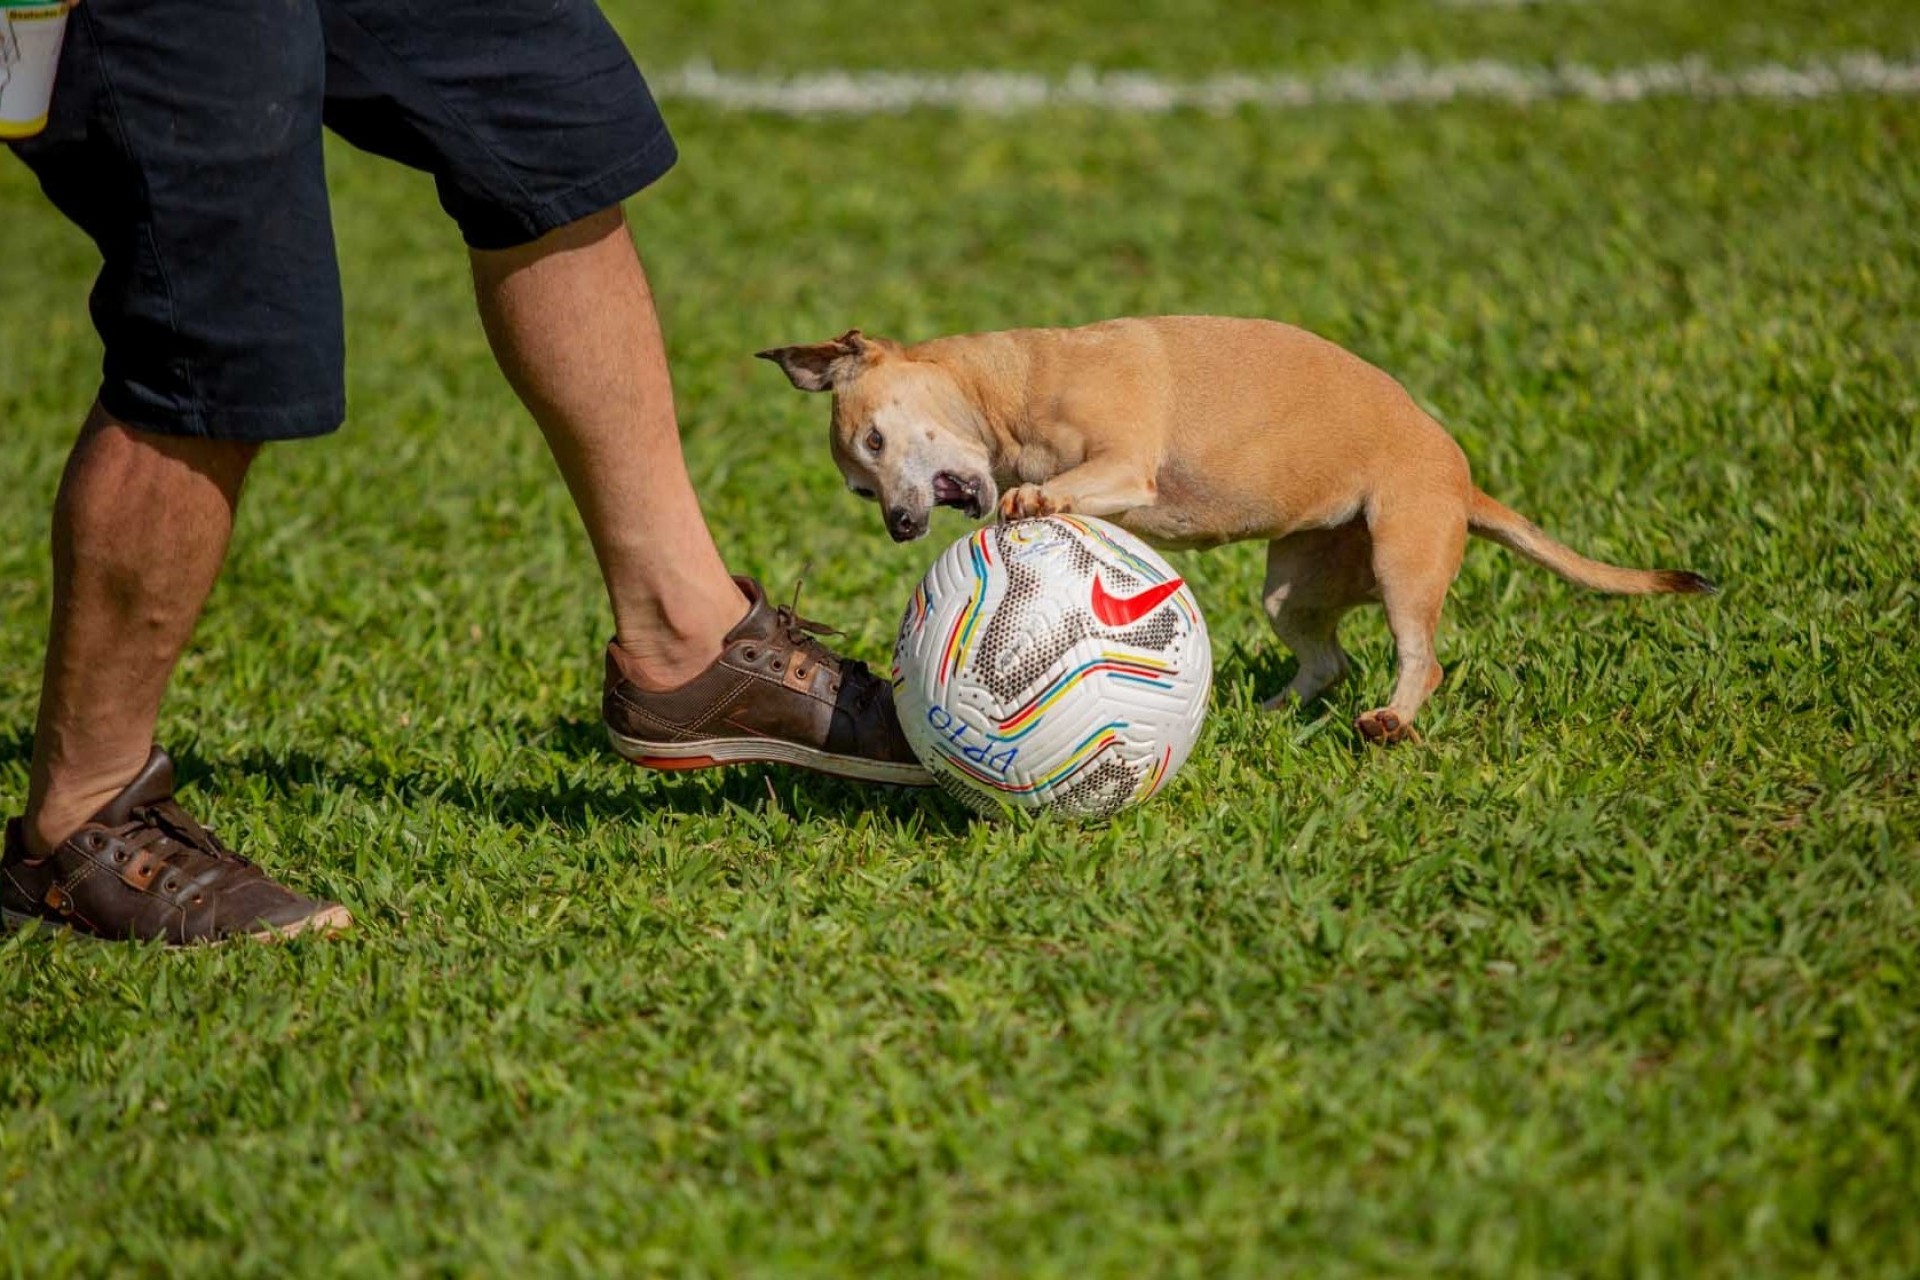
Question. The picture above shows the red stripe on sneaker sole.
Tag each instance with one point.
(670, 764)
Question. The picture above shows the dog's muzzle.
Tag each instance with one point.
(903, 525)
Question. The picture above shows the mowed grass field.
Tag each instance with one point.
(1617, 973)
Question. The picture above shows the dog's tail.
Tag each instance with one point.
(1498, 523)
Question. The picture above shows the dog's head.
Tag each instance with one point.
(904, 433)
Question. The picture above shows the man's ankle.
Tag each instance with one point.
(672, 648)
(46, 828)
(660, 667)
(67, 806)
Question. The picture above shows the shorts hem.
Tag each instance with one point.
(300, 420)
(630, 177)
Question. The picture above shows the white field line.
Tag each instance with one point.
(1409, 80)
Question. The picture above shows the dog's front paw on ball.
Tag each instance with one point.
(1385, 727)
(1029, 502)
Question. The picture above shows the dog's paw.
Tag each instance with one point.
(1385, 727)
(1030, 501)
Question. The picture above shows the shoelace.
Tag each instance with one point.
(803, 633)
(156, 826)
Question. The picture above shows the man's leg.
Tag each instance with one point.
(701, 673)
(531, 162)
(572, 323)
(140, 529)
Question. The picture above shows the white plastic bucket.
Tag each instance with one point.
(31, 32)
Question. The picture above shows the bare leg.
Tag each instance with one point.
(1313, 579)
(1416, 553)
(140, 529)
(572, 324)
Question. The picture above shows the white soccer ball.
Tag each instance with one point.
(1055, 664)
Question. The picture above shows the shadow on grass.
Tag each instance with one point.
(16, 747)
(610, 796)
(1264, 670)
(604, 798)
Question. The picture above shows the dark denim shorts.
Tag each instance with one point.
(185, 139)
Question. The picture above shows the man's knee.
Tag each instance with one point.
(118, 446)
(578, 234)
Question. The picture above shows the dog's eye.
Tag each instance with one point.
(866, 494)
(874, 441)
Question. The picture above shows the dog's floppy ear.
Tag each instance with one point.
(819, 366)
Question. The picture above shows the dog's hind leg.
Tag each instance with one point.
(1313, 578)
(1417, 547)
(1313, 635)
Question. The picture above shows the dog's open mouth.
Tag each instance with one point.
(950, 490)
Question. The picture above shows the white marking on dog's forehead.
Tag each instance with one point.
(910, 394)
(896, 416)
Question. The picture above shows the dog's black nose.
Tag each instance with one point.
(901, 525)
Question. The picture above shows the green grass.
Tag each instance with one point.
(1617, 973)
(1211, 35)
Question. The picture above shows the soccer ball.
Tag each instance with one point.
(1054, 664)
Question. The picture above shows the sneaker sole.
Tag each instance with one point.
(335, 919)
(713, 753)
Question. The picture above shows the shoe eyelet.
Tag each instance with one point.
(199, 898)
(119, 855)
(750, 654)
(778, 666)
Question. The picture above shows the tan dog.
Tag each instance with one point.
(1192, 431)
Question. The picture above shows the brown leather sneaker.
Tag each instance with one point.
(775, 694)
(143, 869)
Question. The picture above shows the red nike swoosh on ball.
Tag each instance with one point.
(1121, 611)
